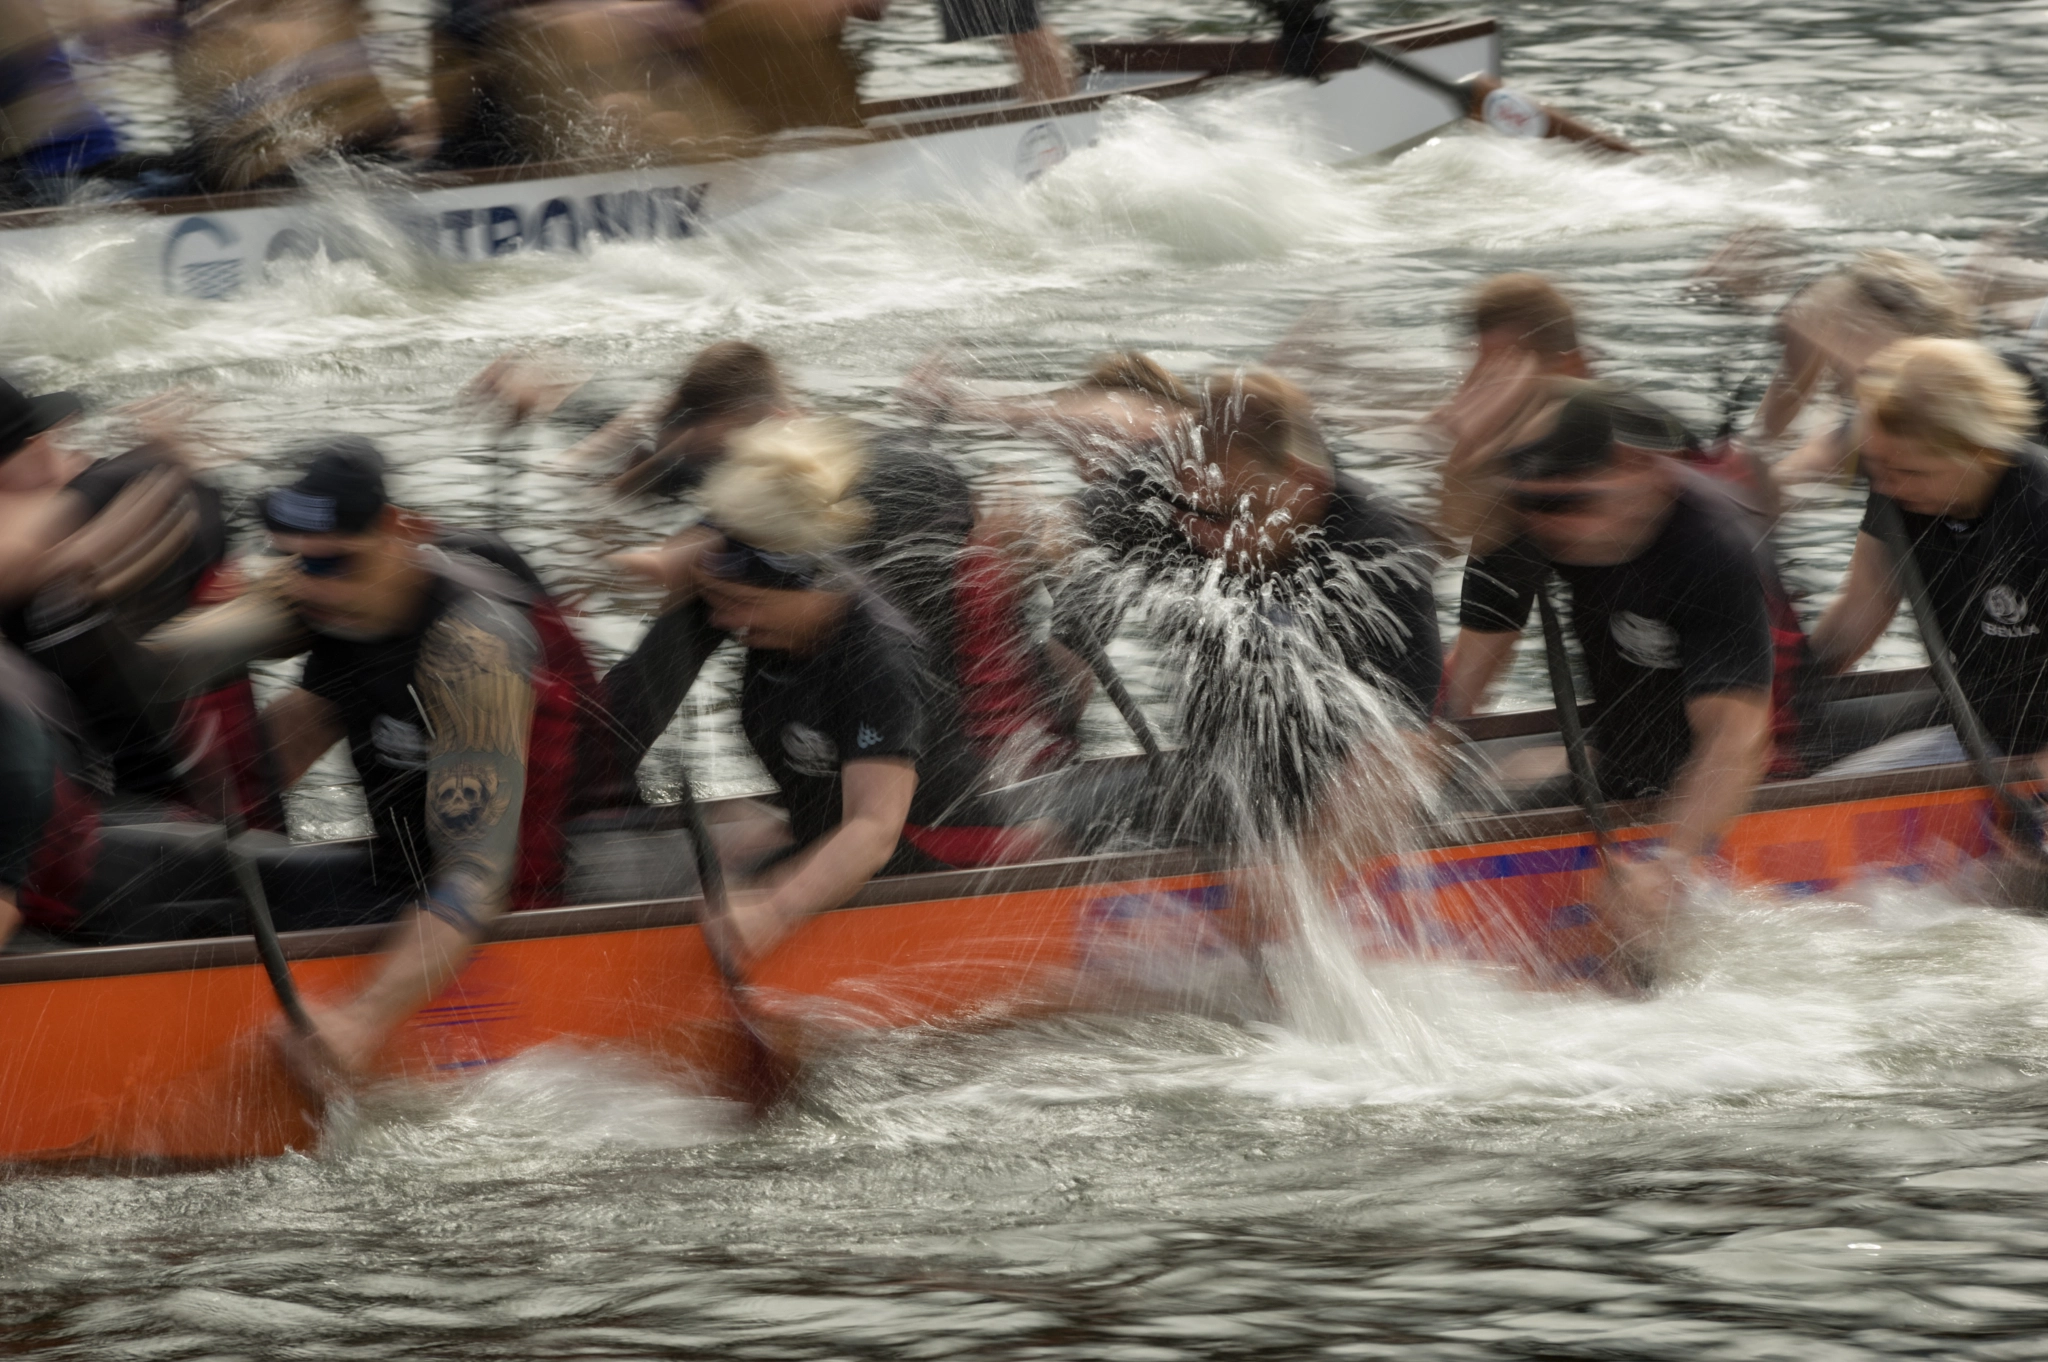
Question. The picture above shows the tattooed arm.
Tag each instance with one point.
(476, 692)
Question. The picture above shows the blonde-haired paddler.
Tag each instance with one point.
(838, 696)
(1942, 428)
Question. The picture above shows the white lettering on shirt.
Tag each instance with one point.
(2006, 612)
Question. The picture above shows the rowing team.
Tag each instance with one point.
(270, 86)
(892, 685)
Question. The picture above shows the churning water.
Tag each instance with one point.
(1824, 1140)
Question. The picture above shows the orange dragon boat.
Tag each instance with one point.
(158, 1054)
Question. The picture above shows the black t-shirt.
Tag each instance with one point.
(1684, 618)
(1363, 574)
(1987, 579)
(868, 692)
(375, 686)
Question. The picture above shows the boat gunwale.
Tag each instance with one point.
(1473, 832)
(1226, 56)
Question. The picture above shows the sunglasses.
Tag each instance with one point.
(1553, 503)
(327, 564)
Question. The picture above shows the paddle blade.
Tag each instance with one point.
(1514, 114)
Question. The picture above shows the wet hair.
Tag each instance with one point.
(1136, 371)
(1265, 413)
(1536, 310)
(1953, 396)
(787, 487)
(724, 378)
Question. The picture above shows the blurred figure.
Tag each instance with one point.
(925, 550)
(1833, 327)
(464, 723)
(271, 84)
(1292, 603)
(1942, 429)
(51, 134)
(1045, 64)
(840, 698)
(1668, 605)
(1124, 413)
(784, 64)
(1525, 336)
(565, 79)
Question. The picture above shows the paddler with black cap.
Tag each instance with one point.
(839, 697)
(1668, 604)
(459, 720)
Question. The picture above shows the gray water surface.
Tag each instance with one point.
(1824, 1140)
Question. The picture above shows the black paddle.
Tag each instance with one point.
(2024, 815)
(1564, 694)
(261, 927)
(1097, 657)
(766, 1074)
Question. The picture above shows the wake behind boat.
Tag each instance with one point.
(921, 148)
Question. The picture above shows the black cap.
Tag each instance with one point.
(22, 417)
(341, 491)
(1589, 426)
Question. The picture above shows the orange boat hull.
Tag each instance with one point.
(176, 1066)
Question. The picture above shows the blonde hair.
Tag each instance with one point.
(1953, 396)
(1273, 417)
(1910, 295)
(787, 486)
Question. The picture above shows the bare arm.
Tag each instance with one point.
(1856, 619)
(1819, 459)
(477, 698)
(10, 916)
(1475, 663)
(198, 651)
(299, 727)
(875, 802)
(1730, 745)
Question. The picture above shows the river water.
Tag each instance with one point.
(1824, 1140)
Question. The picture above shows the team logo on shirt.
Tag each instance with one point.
(810, 752)
(869, 737)
(399, 743)
(1644, 641)
(2006, 613)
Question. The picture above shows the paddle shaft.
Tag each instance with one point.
(767, 1073)
(1470, 96)
(1564, 693)
(1891, 530)
(261, 926)
(1097, 658)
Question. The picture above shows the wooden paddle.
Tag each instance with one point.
(2023, 814)
(1485, 99)
(1097, 657)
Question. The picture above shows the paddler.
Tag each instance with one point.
(1524, 332)
(1668, 604)
(463, 722)
(1942, 429)
(840, 699)
(1045, 64)
(1293, 602)
(922, 550)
